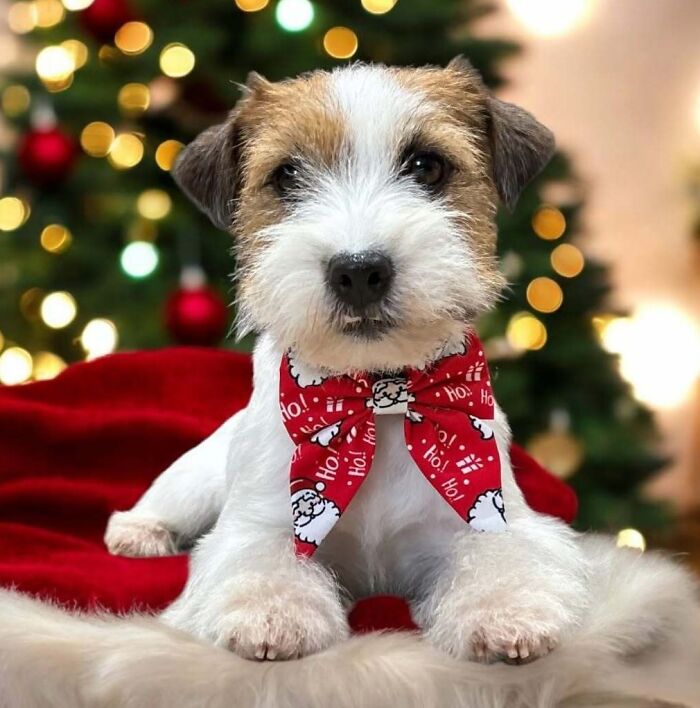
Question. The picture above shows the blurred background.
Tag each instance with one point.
(596, 347)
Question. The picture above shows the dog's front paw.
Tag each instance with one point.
(135, 536)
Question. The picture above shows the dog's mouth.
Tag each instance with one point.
(365, 326)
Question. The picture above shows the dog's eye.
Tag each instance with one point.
(285, 178)
(427, 168)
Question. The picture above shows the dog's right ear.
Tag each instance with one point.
(208, 169)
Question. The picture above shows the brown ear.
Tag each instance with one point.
(520, 148)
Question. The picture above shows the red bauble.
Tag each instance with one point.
(47, 155)
(104, 17)
(196, 315)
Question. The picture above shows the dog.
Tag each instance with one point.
(362, 206)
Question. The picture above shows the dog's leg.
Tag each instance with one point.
(180, 504)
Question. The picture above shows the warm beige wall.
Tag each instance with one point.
(621, 93)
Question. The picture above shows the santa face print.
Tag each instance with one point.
(313, 515)
(390, 396)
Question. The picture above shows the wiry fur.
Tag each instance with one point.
(615, 623)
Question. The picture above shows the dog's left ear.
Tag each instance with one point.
(520, 145)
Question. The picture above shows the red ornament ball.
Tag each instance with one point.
(104, 17)
(47, 155)
(196, 316)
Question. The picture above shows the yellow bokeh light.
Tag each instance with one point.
(15, 100)
(378, 7)
(75, 5)
(126, 151)
(55, 64)
(97, 138)
(99, 337)
(154, 204)
(47, 365)
(549, 223)
(545, 295)
(61, 85)
(631, 538)
(55, 238)
(2, 341)
(176, 60)
(340, 42)
(58, 310)
(13, 213)
(134, 98)
(48, 12)
(252, 5)
(167, 152)
(141, 230)
(133, 37)
(548, 18)
(567, 260)
(525, 331)
(30, 304)
(77, 50)
(22, 17)
(15, 366)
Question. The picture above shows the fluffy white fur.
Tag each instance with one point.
(616, 624)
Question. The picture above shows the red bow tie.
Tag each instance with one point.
(448, 409)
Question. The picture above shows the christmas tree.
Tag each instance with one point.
(96, 239)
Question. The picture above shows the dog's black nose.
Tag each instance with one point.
(360, 279)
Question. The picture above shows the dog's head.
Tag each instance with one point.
(362, 205)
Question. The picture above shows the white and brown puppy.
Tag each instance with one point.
(390, 176)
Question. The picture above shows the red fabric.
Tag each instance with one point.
(76, 448)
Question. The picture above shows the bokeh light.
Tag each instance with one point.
(22, 17)
(96, 138)
(48, 13)
(47, 365)
(13, 213)
(631, 538)
(99, 337)
(252, 5)
(154, 204)
(548, 223)
(176, 60)
(54, 64)
(126, 151)
(550, 17)
(30, 304)
(16, 99)
(134, 98)
(167, 152)
(58, 310)
(378, 7)
(75, 5)
(544, 295)
(55, 238)
(567, 260)
(294, 15)
(15, 366)
(77, 50)
(133, 38)
(526, 332)
(340, 42)
(139, 259)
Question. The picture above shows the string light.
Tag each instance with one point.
(525, 331)
(96, 138)
(13, 213)
(126, 151)
(54, 64)
(15, 366)
(139, 259)
(48, 12)
(58, 310)
(77, 50)
(340, 42)
(21, 17)
(252, 5)
(154, 204)
(294, 15)
(567, 260)
(15, 100)
(166, 153)
(176, 60)
(133, 38)
(75, 5)
(378, 7)
(544, 295)
(99, 337)
(47, 365)
(548, 223)
(134, 98)
(631, 538)
(55, 238)
(550, 17)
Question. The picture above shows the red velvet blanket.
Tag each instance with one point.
(74, 449)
